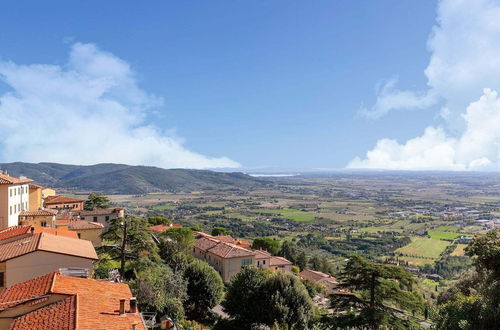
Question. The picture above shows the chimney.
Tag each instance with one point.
(122, 306)
(133, 305)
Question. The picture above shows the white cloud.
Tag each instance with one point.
(390, 98)
(477, 148)
(464, 64)
(87, 111)
(465, 58)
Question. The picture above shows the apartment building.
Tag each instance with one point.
(102, 216)
(63, 203)
(228, 258)
(14, 199)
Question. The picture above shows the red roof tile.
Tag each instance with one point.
(23, 291)
(279, 261)
(45, 212)
(56, 316)
(49, 243)
(7, 179)
(13, 232)
(225, 238)
(61, 199)
(97, 303)
(83, 225)
(227, 250)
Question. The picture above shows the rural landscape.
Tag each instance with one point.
(421, 222)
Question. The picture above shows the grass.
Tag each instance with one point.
(443, 235)
(164, 207)
(453, 229)
(424, 247)
(459, 250)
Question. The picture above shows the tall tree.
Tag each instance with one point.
(205, 289)
(130, 239)
(378, 295)
(257, 297)
(96, 201)
(244, 298)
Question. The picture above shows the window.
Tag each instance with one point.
(83, 218)
(43, 223)
(10, 192)
(263, 262)
(79, 235)
(95, 219)
(107, 218)
(11, 210)
(2, 279)
(246, 262)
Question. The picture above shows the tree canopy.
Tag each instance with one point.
(205, 289)
(269, 244)
(96, 201)
(375, 295)
(257, 296)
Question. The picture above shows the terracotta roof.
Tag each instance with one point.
(61, 200)
(243, 244)
(162, 228)
(209, 243)
(45, 212)
(225, 238)
(13, 232)
(49, 243)
(91, 304)
(315, 276)
(205, 243)
(59, 315)
(55, 231)
(261, 254)
(7, 179)
(227, 250)
(84, 225)
(24, 291)
(279, 261)
(98, 302)
(35, 186)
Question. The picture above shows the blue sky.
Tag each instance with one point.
(262, 83)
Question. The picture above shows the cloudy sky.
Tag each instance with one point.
(252, 84)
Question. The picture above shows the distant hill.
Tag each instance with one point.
(126, 179)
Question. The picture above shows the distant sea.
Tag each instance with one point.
(272, 175)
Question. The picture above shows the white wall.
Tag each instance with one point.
(15, 200)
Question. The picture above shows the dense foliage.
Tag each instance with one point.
(257, 297)
(474, 301)
(96, 201)
(378, 296)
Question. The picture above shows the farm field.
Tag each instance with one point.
(443, 235)
(424, 248)
(459, 250)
